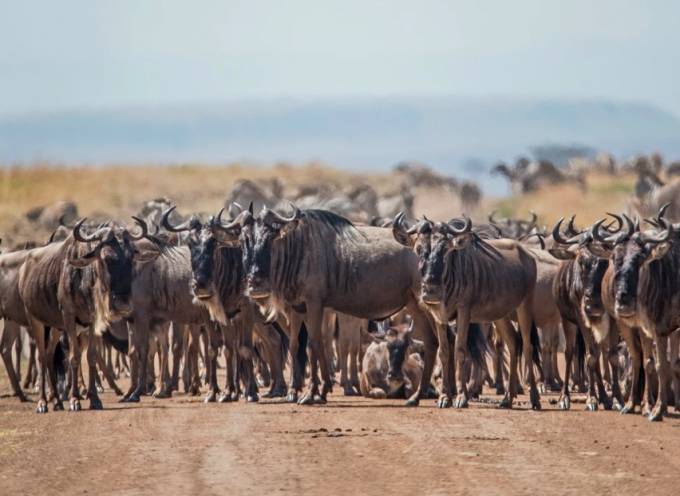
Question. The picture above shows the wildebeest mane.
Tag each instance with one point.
(317, 240)
(662, 283)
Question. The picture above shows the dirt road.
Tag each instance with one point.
(349, 446)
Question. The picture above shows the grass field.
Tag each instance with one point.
(119, 191)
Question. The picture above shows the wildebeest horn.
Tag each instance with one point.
(595, 231)
(557, 235)
(465, 229)
(619, 220)
(571, 229)
(284, 220)
(237, 205)
(165, 222)
(97, 236)
(145, 229)
(660, 238)
(534, 218)
(491, 218)
(659, 216)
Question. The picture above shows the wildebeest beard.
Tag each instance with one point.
(312, 249)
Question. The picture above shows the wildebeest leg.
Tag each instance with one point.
(296, 352)
(634, 348)
(651, 377)
(10, 335)
(95, 402)
(444, 353)
(314, 321)
(664, 374)
(245, 351)
(498, 364)
(425, 329)
(613, 358)
(52, 341)
(177, 348)
(272, 346)
(31, 369)
(164, 388)
(18, 348)
(211, 356)
(509, 337)
(37, 331)
(354, 360)
(230, 390)
(570, 331)
(527, 328)
(675, 367)
(74, 356)
(105, 365)
(139, 351)
(193, 352)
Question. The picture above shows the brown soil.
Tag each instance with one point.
(349, 446)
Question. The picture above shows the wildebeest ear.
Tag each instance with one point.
(598, 250)
(659, 251)
(85, 260)
(562, 253)
(461, 241)
(402, 237)
(288, 228)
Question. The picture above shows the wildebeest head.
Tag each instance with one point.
(632, 249)
(398, 341)
(431, 243)
(591, 259)
(257, 238)
(204, 240)
(112, 255)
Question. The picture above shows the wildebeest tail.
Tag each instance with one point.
(59, 358)
(120, 345)
(536, 344)
(478, 345)
(580, 351)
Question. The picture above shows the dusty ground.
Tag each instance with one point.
(349, 446)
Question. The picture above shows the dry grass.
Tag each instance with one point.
(603, 194)
(119, 191)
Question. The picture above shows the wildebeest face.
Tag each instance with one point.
(592, 270)
(432, 268)
(202, 246)
(113, 258)
(628, 259)
(398, 342)
(258, 241)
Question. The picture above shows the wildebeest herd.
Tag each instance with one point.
(407, 308)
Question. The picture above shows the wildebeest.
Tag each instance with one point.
(646, 291)
(217, 278)
(85, 280)
(578, 292)
(471, 280)
(391, 367)
(315, 259)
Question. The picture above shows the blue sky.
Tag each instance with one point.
(82, 53)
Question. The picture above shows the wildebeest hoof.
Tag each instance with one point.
(307, 399)
(444, 401)
(461, 401)
(133, 398)
(161, 394)
(234, 396)
(541, 387)
(500, 390)
(656, 415)
(118, 392)
(413, 402)
(292, 397)
(506, 402)
(252, 398)
(100, 389)
(74, 405)
(349, 391)
(96, 404)
(22, 397)
(223, 398)
(536, 406)
(211, 397)
(319, 400)
(564, 403)
(42, 407)
(591, 406)
(627, 408)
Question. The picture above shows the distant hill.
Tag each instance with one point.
(456, 135)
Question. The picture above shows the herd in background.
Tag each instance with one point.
(402, 308)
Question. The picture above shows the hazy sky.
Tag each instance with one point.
(83, 53)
